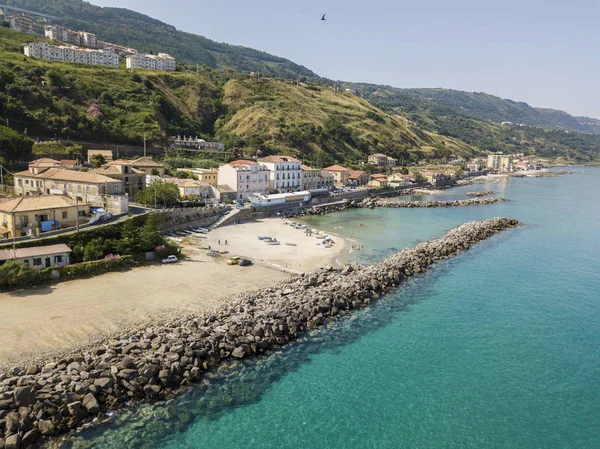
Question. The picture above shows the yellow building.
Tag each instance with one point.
(378, 181)
(191, 189)
(32, 215)
(208, 175)
(340, 174)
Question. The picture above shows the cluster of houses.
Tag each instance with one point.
(84, 48)
(506, 163)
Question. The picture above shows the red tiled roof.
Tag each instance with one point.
(336, 168)
(354, 174)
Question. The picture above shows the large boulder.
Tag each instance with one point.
(91, 404)
(24, 396)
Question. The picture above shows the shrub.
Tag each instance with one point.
(16, 273)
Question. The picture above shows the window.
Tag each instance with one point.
(37, 262)
(65, 214)
(58, 259)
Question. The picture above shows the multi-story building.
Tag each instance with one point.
(162, 61)
(133, 179)
(316, 179)
(62, 34)
(32, 215)
(500, 162)
(245, 177)
(381, 160)
(92, 188)
(22, 24)
(43, 50)
(358, 178)
(285, 173)
(340, 174)
(208, 175)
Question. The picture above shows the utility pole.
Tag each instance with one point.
(155, 195)
(77, 212)
(2, 177)
(144, 144)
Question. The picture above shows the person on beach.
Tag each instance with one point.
(225, 242)
(219, 241)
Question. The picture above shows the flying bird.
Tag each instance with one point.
(323, 18)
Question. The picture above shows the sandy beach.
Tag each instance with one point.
(69, 314)
(297, 252)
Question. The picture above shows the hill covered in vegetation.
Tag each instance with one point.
(476, 122)
(319, 123)
(129, 28)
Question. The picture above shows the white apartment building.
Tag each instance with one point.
(61, 34)
(246, 178)
(43, 50)
(22, 24)
(286, 173)
(162, 61)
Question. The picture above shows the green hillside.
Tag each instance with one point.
(125, 27)
(482, 106)
(314, 121)
(437, 113)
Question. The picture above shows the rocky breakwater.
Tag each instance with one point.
(43, 401)
(372, 203)
(480, 194)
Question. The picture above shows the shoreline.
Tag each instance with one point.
(157, 362)
(40, 322)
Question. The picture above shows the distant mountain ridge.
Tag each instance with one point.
(478, 105)
(125, 27)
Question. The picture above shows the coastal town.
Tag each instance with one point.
(132, 269)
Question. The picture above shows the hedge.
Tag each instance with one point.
(87, 269)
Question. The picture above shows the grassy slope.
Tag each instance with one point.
(310, 119)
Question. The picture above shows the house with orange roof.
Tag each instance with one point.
(358, 178)
(378, 180)
(340, 174)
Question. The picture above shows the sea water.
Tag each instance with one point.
(498, 347)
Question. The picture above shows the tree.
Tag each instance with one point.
(98, 160)
(418, 176)
(167, 193)
(150, 238)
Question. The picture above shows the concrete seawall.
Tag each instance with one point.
(58, 395)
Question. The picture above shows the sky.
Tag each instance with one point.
(543, 52)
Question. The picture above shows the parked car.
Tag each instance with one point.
(244, 262)
(170, 259)
(234, 260)
(101, 218)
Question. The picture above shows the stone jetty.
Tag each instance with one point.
(372, 203)
(480, 194)
(52, 398)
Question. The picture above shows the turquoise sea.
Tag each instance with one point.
(496, 348)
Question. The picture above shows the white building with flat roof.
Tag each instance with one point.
(62, 34)
(286, 173)
(162, 61)
(79, 55)
(246, 178)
